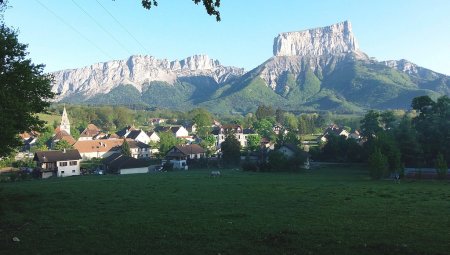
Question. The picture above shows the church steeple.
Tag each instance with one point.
(65, 123)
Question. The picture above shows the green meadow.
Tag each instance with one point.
(333, 210)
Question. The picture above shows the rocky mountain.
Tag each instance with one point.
(315, 69)
(324, 69)
(137, 71)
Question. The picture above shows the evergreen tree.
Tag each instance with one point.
(378, 164)
(125, 148)
(231, 150)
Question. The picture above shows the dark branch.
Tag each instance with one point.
(210, 6)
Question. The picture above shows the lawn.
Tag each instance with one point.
(324, 211)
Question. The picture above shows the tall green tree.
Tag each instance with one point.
(253, 142)
(125, 148)
(203, 120)
(166, 142)
(231, 151)
(432, 126)
(265, 129)
(264, 112)
(25, 90)
(378, 165)
(370, 124)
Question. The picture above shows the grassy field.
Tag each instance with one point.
(325, 211)
(50, 119)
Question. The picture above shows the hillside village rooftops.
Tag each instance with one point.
(53, 156)
(63, 135)
(98, 145)
(137, 144)
(188, 149)
(134, 134)
(123, 132)
(90, 131)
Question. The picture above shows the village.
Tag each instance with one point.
(131, 150)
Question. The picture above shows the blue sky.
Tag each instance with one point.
(385, 29)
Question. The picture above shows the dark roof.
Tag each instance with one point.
(111, 158)
(125, 162)
(53, 156)
(188, 149)
(248, 131)
(134, 134)
(162, 129)
(216, 131)
(124, 131)
(137, 144)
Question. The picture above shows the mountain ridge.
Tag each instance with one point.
(313, 69)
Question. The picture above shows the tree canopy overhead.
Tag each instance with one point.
(210, 6)
(26, 90)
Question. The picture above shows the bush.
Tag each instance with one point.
(250, 167)
(441, 166)
(168, 166)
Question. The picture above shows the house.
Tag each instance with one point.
(91, 132)
(153, 136)
(333, 130)
(62, 135)
(179, 154)
(139, 149)
(291, 150)
(138, 135)
(58, 163)
(355, 135)
(98, 148)
(118, 163)
(278, 128)
(241, 135)
(156, 121)
(29, 139)
(125, 131)
(177, 131)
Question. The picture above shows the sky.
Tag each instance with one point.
(65, 34)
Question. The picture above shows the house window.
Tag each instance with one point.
(73, 171)
(62, 163)
(73, 163)
(62, 172)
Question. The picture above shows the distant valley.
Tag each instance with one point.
(316, 69)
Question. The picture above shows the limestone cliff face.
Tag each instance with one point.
(314, 49)
(137, 71)
(334, 39)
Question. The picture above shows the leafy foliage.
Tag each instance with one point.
(378, 164)
(210, 6)
(62, 145)
(231, 151)
(25, 91)
(166, 142)
(441, 166)
(125, 148)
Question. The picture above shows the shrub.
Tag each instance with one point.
(441, 166)
(249, 166)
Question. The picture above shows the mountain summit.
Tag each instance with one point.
(310, 70)
(334, 39)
